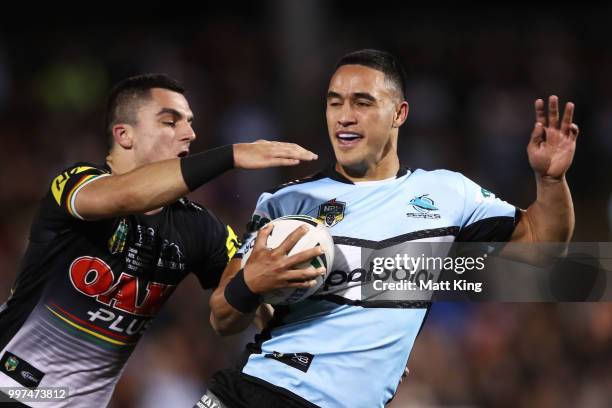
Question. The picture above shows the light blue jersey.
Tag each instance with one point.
(339, 348)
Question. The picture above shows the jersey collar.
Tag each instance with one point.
(331, 172)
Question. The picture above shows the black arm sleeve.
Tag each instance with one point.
(201, 167)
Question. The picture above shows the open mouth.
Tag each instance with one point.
(348, 138)
(184, 153)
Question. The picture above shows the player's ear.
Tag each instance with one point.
(123, 135)
(401, 113)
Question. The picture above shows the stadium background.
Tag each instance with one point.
(261, 71)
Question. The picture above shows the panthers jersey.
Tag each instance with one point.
(340, 348)
(87, 290)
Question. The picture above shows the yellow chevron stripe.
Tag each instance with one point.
(113, 341)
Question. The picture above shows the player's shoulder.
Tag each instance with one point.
(298, 184)
(82, 167)
(190, 207)
(442, 176)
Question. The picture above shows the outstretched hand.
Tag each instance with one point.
(263, 154)
(552, 145)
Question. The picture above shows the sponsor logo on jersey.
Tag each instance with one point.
(59, 183)
(29, 376)
(20, 370)
(94, 277)
(360, 276)
(331, 212)
(301, 361)
(424, 207)
(11, 363)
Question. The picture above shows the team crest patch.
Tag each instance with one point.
(116, 243)
(331, 212)
(424, 207)
(11, 363)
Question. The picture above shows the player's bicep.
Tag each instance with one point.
(103, 197)
(522, 231)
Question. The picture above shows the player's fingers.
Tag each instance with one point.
(568, 115)
(303, 275)
(304, 256)
(553, 111)
(574, 130)
(306, 285)
(537, 134)
(262, 236)
(277, 162)
(539, 112)
(292, 239)
(293, 151)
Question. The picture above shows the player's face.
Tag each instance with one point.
(164, 127)
(362, 117)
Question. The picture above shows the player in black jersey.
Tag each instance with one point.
(110, 243)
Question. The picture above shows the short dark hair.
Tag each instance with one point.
(127, 96)
(382, 61)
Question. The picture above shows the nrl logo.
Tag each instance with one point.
(11, 363)
(331, 212)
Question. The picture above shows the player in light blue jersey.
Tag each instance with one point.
(343, 347)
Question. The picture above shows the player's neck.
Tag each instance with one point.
(119, 163)
(384, 169)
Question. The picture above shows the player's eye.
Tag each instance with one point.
(171, 124)
(334, 103)
(363, 103)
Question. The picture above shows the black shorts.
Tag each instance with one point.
(237, 390)
(7, 402)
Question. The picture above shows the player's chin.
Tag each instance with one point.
(349, 160)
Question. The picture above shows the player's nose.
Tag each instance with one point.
(346, 116)
(187, 134)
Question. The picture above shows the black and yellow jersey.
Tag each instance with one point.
(87, 290)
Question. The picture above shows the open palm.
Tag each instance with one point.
(553, 142)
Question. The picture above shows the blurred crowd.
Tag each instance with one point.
(261, 71)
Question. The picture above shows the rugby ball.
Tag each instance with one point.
(317, 235)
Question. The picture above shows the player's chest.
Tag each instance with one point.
(378, 214)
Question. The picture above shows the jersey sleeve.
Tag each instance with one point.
(486, 218)
(216, 244)
(66, 185)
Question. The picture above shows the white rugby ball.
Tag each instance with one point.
(317, 235)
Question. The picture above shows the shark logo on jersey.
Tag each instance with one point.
(424, 206)
(331, 212)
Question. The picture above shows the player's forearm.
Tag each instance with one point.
(151, 186)
(224, 319)
(550, 217)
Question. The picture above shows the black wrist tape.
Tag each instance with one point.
(238, 294)
(199, 168)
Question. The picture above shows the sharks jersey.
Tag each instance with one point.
(340, 348)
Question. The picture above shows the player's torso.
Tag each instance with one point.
(104, 282)
(343, 331)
